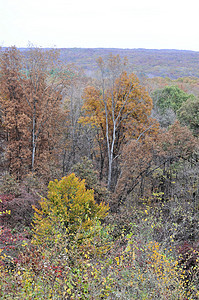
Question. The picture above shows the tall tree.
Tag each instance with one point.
(14, 112)
(31, 97)
(120, 108)
(42, 89)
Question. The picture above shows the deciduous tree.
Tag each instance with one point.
(167, 101)
(188, 115)
(15, 119)
(152, 163)
(30, 103)
(120, 108)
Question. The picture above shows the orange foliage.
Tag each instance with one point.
(30, 101)
(128, 100)
(140, 159)
(120, 112)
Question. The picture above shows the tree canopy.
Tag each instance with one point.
(120, 109)
(188, 115)
(170, 97)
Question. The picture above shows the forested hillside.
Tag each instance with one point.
(99, 162)
(143, 62)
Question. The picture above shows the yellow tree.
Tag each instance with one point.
(120, 108)
(69, 208)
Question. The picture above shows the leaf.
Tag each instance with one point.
(128, 248)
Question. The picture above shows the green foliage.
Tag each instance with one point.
(170, 97)
(188, 115)
(69, 208)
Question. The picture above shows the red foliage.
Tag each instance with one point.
(188, 260)
(33, 259)
(20, 208)
(10, 243)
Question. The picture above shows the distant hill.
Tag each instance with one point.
(144, 62)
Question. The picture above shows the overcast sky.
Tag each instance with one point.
(152, 24)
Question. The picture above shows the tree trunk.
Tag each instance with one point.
(33, 138)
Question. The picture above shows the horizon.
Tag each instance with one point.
(101, 48)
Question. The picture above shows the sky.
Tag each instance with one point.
(150, 24)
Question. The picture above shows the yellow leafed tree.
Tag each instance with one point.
(68, 209)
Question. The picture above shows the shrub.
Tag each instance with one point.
(20, 210)
(69, 208)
